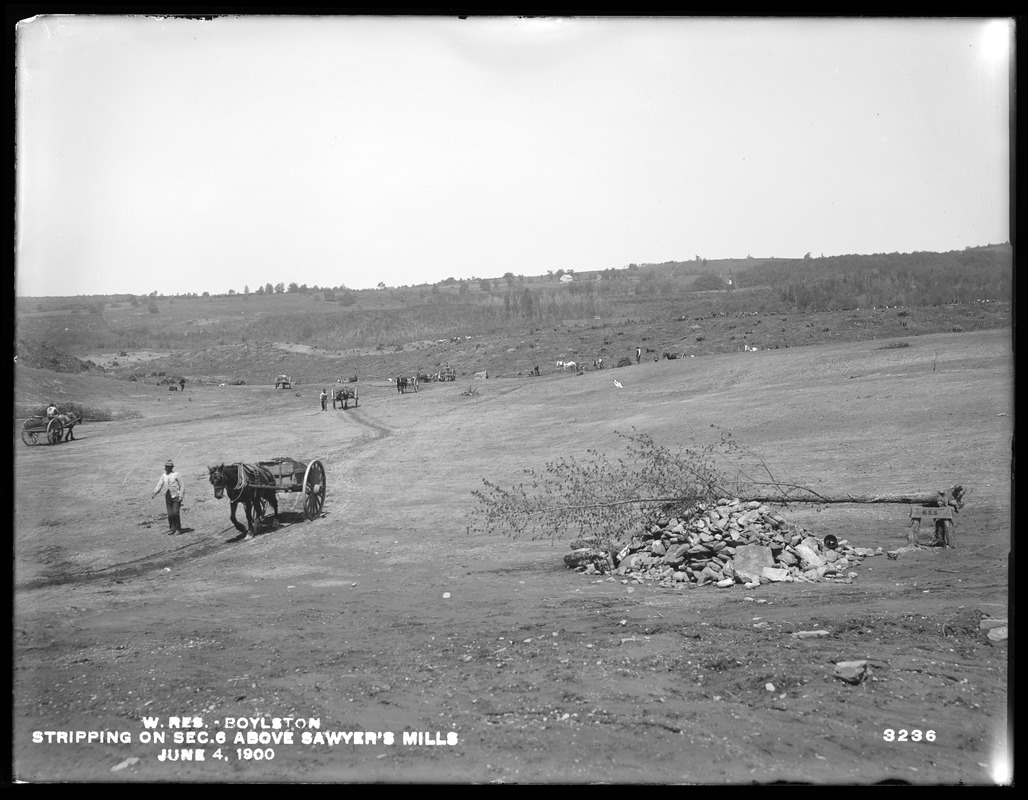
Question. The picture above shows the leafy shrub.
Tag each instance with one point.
(603, 496)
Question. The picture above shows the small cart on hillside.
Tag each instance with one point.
(343, 396)
(283, 382)
(53, 430)
(295, 476)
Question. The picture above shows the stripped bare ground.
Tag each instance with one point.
(387, 615)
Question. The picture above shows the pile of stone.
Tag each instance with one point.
(728, 542)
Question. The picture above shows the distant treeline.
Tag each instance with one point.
(895, 279)
(393, 316)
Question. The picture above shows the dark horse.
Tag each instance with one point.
(254, 492)
(343, 397)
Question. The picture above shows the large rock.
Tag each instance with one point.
(632, 562)
(584, 556)
(809, 559)
(709, 575)
(675, 555)
(851, 671)
(788, 558)
(774, 575)
(750, 560)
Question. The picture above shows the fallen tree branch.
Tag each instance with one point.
(937, 499)
(953, 497)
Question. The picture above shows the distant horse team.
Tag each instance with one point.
(403, 384)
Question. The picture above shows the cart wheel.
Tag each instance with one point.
(313, 490)
(54, 429)
(27, 436)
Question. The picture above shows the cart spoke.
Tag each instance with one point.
(54, 430)
(314, 490)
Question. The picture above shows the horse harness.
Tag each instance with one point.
(249, 476)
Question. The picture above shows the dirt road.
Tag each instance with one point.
(387, 617)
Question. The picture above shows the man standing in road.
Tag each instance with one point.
(324, 398)
(171, 484)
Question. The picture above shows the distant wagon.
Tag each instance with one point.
(36, 430)
(283, 382)
(343, 396)
(404, 383)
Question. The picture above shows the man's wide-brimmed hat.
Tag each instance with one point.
(169, 463)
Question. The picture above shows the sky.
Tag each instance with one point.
(177, 155)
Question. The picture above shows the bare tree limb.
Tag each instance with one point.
(948, 497)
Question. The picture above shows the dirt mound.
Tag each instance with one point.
(42, 356)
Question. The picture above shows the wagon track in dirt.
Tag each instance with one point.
(192, 551)
(128, 569)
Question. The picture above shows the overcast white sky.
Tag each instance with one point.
(188, 156)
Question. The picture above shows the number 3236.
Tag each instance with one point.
(914, 735)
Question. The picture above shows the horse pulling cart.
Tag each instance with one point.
(257, 485)
(53, 430)
(343, 396)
